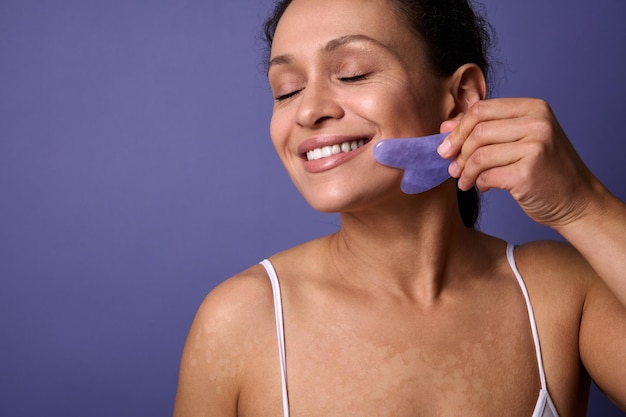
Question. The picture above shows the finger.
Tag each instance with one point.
(448, 125)
(490, 133)
(445, 149)
(497, 178)
(453, 143)
(505, 108)
(483, 160)
(489, 110)
(516, 178)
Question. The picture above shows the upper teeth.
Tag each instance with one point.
(319, 153)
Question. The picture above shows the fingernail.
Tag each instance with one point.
(452, 168)
(444, 148)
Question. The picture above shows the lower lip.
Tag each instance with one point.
(330, 162)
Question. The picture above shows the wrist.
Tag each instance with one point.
(596, 211)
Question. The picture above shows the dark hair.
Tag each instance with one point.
(454, 35)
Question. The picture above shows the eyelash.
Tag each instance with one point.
(354, 78)
(287, 96)
(351, 79)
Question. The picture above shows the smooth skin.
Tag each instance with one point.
(404, 311)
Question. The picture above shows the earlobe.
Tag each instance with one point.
(466, 86)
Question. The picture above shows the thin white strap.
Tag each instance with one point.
(531, 315)
(545, 407)
(280, 332)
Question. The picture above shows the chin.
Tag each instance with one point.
(328, 204)
(347, 199)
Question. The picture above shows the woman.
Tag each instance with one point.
(407, 310)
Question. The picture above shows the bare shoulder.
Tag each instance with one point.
(554, 264)
(246, 298)
(232, 319)
(230, 357)
(558, 280)
(580, 320)
(549, 251)
(232, 313)
(237, 299)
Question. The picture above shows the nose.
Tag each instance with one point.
(318, 104)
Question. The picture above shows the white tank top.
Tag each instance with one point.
(544, 407)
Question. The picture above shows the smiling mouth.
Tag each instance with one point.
(326, 151)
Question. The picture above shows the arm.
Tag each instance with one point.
(599, 234)
(602, 340)
(207, 384)
(230, 347)
(518, 145)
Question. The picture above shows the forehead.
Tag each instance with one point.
(309, 24)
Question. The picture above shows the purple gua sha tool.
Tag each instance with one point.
(423, 168)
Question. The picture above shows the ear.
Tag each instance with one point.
(465, 87)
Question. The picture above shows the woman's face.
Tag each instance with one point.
(346, 74)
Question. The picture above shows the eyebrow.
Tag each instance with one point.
(329, 47)
(345, 40)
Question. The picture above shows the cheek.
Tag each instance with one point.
(273, 130)
(397, 113)
(416, 110)
(278, 130)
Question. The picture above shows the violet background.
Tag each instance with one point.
(136, 172)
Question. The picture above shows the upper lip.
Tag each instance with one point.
(328, 140)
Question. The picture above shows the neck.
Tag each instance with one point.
(407, 250)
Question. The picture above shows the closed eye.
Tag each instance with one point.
(354, 78)
(287, 95)
(351, 79)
